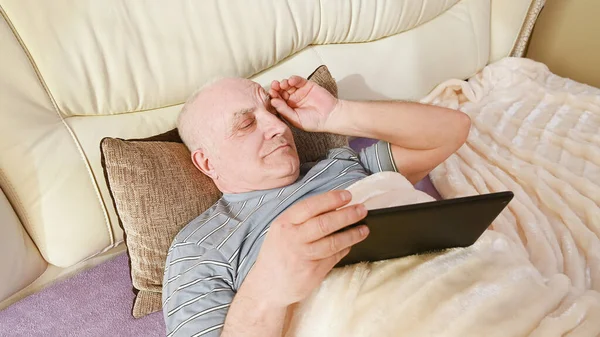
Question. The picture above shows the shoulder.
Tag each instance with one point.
(344, 152)
(203, 224)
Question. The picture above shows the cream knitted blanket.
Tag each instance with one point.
(536, 271)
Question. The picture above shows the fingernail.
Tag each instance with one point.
(346, 195)
(361, 210)
(363, 230)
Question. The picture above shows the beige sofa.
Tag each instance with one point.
(73, 72)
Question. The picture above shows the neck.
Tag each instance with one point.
(239, 187)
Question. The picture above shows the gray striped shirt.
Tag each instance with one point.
(211, 256)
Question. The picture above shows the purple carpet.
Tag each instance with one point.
(96, 302)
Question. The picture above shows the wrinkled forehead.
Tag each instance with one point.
(237, 93)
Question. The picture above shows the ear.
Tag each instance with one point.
(202, 163)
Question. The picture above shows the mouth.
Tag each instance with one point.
(280, 147)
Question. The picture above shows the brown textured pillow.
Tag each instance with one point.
(157, 190)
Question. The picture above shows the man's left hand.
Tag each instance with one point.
(303, 103)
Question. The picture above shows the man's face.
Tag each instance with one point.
(251, 147)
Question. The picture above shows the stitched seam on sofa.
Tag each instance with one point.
(313, 47)
(522, 39)
(43, 82)
(30, 58)
(7, 186)
(69, 130)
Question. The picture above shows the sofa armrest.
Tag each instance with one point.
(20, 260)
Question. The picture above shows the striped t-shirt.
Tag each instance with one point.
(211, 256)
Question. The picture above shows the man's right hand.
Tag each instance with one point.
(301, 248)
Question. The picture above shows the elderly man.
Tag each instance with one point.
(273, 236)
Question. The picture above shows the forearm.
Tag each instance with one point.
(406, 124)
(251, 316)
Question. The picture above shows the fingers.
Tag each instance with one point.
(285, 111)
(340, 255)
(286, 87)
(275, 86)
(286, 90)
(309, 208)
(297, 81)
(273, 93)
(281, 90)
(328, 223)
(278, 103)
(292, 84)
(333, 244)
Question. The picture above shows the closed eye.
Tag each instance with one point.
(247, 124)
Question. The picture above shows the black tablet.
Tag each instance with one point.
(425, 227)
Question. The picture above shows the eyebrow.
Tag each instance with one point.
(241, 112)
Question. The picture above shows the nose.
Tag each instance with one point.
(273, 126)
